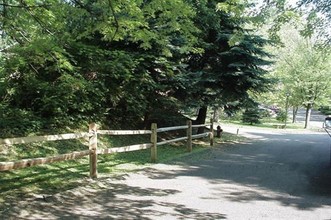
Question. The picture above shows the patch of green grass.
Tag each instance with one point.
(40, 149)
(230, 138)
(45, 179)
(204, 152)
(265, 123)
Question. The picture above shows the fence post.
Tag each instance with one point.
(211, 137)
(154, 142)
(93, 143)
(189, 136)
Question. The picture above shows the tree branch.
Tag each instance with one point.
(36, 18)
(115, 18)
(24, 6)
(81, 5)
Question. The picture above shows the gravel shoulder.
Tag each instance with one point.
(275, 174)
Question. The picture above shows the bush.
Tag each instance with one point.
(251, 116)
(265, 113)
(17, 122)
(326, 110)
(281, 116)
(237, 116)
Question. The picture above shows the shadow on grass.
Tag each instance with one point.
(48, 179)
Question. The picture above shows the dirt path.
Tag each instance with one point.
(275, 175)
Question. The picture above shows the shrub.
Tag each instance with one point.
(326, 110)
(281, 116)
(17, 122)
(251, 116)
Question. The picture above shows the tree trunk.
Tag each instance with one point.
(295, 112)
(146, 122)
(216, 115)
(308, 113)
(201, 119)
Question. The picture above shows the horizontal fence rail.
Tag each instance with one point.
(4, 166)
(93, 150)
(124, 132)
(197, 136)
(32, 139)
(171, 141)
(199, 126)
(171, 128)
(124, 149)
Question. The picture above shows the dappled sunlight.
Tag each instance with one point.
(288, 172)
(104, 199)
(252, 193)
(278, 173)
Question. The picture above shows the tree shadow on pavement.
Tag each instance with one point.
(105, 200)
(292, 169)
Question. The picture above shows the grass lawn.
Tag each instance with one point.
(265, 123)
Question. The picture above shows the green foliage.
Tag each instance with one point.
(17, 122)
(80, 61)
(121, 63)
(251, 116)
(313, 15)
(326, 110)
(264, 113)
(233, 60)
(304, 69)
(318, 19)
(281, 116)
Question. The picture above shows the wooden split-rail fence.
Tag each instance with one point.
(93, 150)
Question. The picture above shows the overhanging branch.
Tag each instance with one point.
(24, 6)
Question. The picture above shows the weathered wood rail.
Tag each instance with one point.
(93, 150)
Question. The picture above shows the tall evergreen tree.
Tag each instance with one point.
(232, 62)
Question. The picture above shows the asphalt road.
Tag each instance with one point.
(276, 174)
(316, 118)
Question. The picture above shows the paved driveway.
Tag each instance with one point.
(316, 118)
(277, 174)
